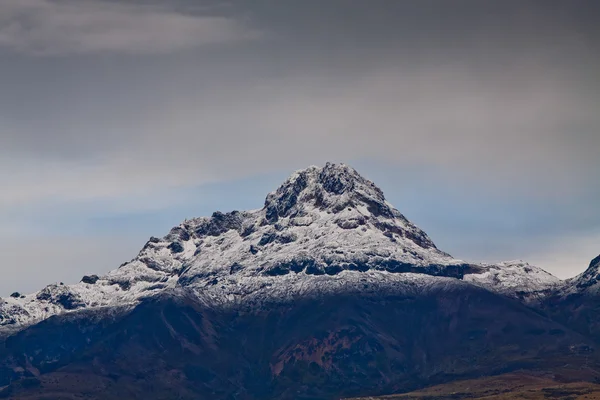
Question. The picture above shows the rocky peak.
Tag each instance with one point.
(332, 188)
(321, 199)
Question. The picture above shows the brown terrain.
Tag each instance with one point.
(519, 385)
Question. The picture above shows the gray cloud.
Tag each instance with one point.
(530, 133)
(51, 27)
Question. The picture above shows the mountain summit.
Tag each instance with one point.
(338, 189)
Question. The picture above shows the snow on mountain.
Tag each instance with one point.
(588, 281)
(324, 229)
(516, 279)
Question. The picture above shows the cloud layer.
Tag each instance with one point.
(530, 134)
(54, 27)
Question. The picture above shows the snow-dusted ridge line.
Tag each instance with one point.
(516, 279)
(324, 230)
(588, 282)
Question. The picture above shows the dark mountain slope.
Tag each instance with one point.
(320, 348)
(577, 305)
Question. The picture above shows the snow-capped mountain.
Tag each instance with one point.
(325, 292)
(323, 230)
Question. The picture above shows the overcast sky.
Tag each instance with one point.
(479, 120)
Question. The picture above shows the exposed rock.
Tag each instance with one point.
(220, 223)
(90, 279)
(235, 268)
(60, 295)
(176, 247)
(179, 234)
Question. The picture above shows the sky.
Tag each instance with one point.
(478, 119)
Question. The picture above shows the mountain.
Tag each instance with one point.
(577, 302)
(326, 291)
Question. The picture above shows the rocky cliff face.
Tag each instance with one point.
(326, 290)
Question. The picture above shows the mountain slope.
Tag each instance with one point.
(577, 302)
(310, 348)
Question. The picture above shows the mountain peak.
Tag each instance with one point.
(332, 188)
